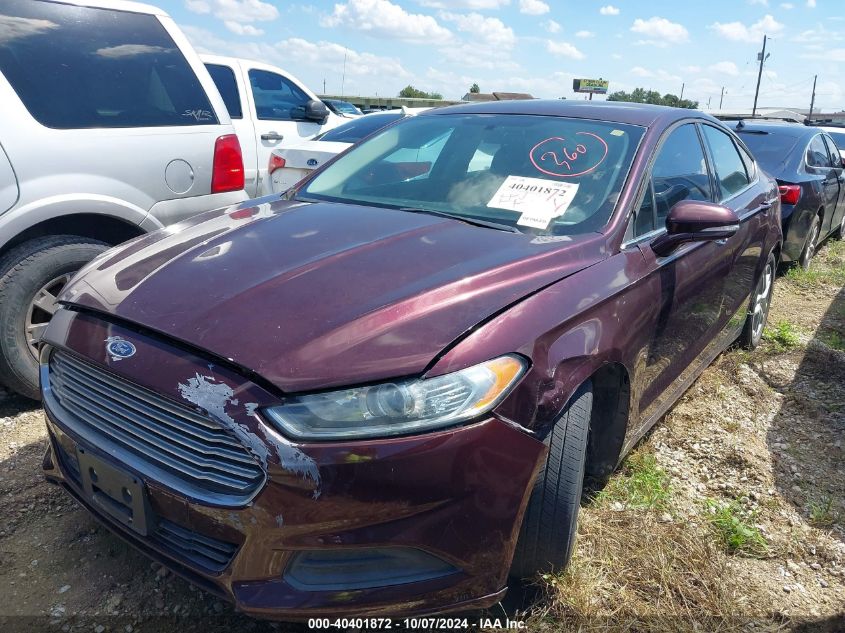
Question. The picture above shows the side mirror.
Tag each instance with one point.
(695, 221)
(316, 111)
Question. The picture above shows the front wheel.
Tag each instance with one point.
(547, 536)
(36, 272)
(761, 300)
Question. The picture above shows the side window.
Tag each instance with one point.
(224, 79)
(727, 162)
(276, 97)
(679, 172)
(645, 219)
(835, 156)
(817, 155)
(748, 160)
(81, 67)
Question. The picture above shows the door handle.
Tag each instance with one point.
(272, 136)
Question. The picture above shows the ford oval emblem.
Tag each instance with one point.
(119, 348)
(313, 162)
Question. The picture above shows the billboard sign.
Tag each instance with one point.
(593, 86)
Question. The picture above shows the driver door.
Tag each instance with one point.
(278, 106)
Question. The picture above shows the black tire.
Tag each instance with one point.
(761, 298)
(547, 536)
(811, 243)
(840, 232)
(29, 268)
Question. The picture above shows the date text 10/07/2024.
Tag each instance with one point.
(423, 624)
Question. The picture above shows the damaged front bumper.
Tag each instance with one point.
(399, 526)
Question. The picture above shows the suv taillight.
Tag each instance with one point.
(227, 173)
(789, 194)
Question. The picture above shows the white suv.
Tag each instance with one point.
(111, 127)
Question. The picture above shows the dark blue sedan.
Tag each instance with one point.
(809, 170)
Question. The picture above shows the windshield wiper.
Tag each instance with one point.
(462, 218)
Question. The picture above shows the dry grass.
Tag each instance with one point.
(633, 572)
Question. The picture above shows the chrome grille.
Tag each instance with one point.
(199, 453)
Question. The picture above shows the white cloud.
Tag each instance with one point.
(235, 10)
(691, 69)
(382, 18)
(551, 26)
(659, 74)
(609, 10)
(488, 31)
(129, 50)
(639, 71)
(724, 68)
(475, 5)
(764, 3)
(242, 29)
(585, 34)
(811, 4)
(533, 7)
(787, 5)
(829, 55)
(739, 32)
(660, 31)
(564, 49)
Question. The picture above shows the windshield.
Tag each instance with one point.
(354, 131)
(770, 150)
(538, 174)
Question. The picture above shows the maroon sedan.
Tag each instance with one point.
(383, 393)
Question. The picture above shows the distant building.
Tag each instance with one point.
(496, 96)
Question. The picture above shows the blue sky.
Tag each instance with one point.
(537, 46)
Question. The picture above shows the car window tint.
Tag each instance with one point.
(224, 79)
(728, 164)
(817, 155)
(833, 151)
(771, 149)
(838, 139)
(748, 161)
(680, 171)
(81, 67)
(276, 97)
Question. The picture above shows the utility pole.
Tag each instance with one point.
(762, 58)
(343, 79)
(722, 98)
(324, 86)
(812, 100)
(708, 102)
(683, 85)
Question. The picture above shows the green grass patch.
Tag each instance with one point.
(641, 485)
(735, 528)
(783, 336)
(821, 512)
(833, 339)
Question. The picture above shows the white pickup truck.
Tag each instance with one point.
(270, 109)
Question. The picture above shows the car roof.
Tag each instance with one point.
(642, 114)
(118, 5)
(783, 128)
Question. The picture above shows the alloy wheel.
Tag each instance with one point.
(762, 298)
(812, 243)
(41, 310)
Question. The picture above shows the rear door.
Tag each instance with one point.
(819, 163)
(227, 77)
(737, 187)
(116, 101)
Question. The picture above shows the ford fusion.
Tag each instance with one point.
(384, 392)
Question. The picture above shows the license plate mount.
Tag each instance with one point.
(118, 493)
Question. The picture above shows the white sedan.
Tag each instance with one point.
(289, 165)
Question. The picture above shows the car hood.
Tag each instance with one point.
(315, 295)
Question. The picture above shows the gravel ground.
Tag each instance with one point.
(764, 430)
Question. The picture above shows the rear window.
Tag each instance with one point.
(358, 129)
(79, 67)
(224, 79)
(838, 138)
(770, 150)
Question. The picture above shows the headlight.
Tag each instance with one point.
(395, 408)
